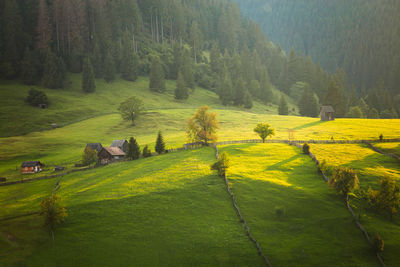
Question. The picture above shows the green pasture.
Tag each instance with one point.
(393, 148)
(371, 166)
(315, 229)
(170, 210)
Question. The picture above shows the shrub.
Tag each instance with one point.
(378, 244)
(146, 152)
(89, 156)
(222, 164)
(306, 148)
(36, 97)
(345, 180)
(387, 198)
(53, 211)
(381, 137)
(160, 144)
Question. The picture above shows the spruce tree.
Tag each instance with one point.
(97, 61)
(133, 151)
(109, 68)
(308, 105)
(283, 107)
(160, 145)
(88, 82)
(187, 69)
(247, 101)
(146, 152)
(54, 71)
(29, 68)
(239, 92)
(225, 87)
(129, 64)
(157, 78)
(333, 97)
(181, 91)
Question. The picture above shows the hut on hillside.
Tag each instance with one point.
(95, 146)
(110, 154)
(327, 113)
(31, 167)
(122, 144)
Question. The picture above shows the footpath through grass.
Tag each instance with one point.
(169, 210)
(371, 167)
(315, 228)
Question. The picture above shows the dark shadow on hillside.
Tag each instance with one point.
(307, 125)
(278, 165)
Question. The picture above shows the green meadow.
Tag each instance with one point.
(166, 210)
(370, 166)
(315, 228)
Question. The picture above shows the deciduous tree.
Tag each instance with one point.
(202, 126)
(264, 130)
(131, 108)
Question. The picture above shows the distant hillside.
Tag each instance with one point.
(360, 36)
(208, 42)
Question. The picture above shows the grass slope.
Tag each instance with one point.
(169, 210)
(371, 166)
(316, 229)
(70, 104)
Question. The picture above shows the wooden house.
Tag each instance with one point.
(95, 146)
(122, 144)
(31, 167)
(110, 154)
(327, 113)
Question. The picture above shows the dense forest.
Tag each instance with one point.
(361, 36)
(196, 42)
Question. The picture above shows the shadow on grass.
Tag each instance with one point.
(278, 165)
(307, 125)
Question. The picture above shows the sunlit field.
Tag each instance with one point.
(371, 166)
(171, 210)
(315, 228)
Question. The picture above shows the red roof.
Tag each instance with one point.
(115, 151)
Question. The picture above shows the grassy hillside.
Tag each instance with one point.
(71, 104)
(315, 230)
(167, 210)
(371, 166)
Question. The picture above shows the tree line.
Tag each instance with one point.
(202, 43)
(360, 37)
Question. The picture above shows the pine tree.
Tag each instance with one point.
(157, 78)
(146, 152)
(30, 68)
(54, 71)
(239, 92)
(308, 105)
(266, 94)
(187, 69)
(129, 61)
(283, 107)
(247, 101)
(225, 87)
(215, 58)
(160, 145)
(181, 91)
(88, 81)
(109, 68)
(133, 151)
(334, 98)
(97, 61)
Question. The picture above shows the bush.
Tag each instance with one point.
(378, 244)
(89, 156)
(222, 164)
(345, 180)
(36, 97)
(306, 148)
(146, 152)
(381, 137)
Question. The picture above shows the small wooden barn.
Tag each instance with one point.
(31, 167)
(95, 146)
(110, 154)
(327, 113)
(122, 144)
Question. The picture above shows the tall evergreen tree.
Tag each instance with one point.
(160, 145)
(247, 101)
(133, 151)
(283, 107)
(334, 98)
(88, 82)
(187, 69)
(240, 89)
(109, 68)
(30, 67)
(54, 71)
(157, 80)
(225, 87)
(181, 91)
(308, 105)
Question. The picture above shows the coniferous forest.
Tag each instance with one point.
(361, 37)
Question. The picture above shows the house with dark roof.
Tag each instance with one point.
(122, 144)
(327, 113)
(31, 167)
(95, 146)
(110, 154)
